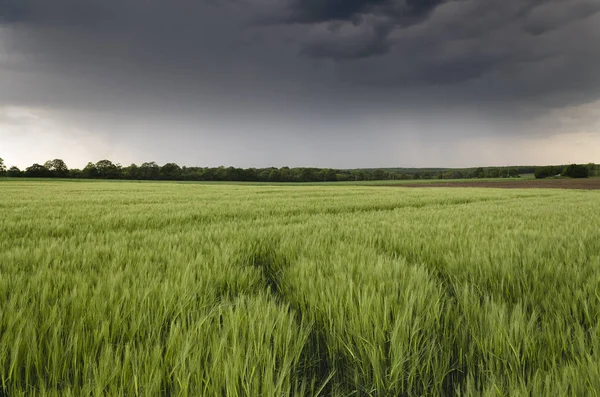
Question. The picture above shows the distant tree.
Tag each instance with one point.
(221, 173)
(593, 169)
(249, 174)
(229, 174)
(14, 172)
(170, 171)
(274, 175)
(131, 172)
(426, 175)
(546, 172)
(264, 175)
(57, 168)
(513, 172)
(541, 173)
(331, 175)
(322, 175)
(193, 174)
(379, 174)
(90, 171)
(342, 177)
(2, 167)
(357, 175)
(149, 170)
(108, 170)
(327, 175)
(208, 174)
(479, 173)
(75, 173)
(286, 174)
(493, 173)
(576, 171)
(308, 175)
(37, 171)
(452, 174)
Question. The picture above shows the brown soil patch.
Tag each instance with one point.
(586, 184)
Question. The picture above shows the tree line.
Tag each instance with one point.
(571, 171)
(106, 169)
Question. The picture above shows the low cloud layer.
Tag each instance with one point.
(297, 76)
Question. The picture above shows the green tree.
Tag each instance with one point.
(192, 173)
(576, 171)
(274, 175)
(57, 168)
(14, 172)
(149, 170)
(250, 174)
(546, 172)
(308, 175)
(106, 169)
(170, 171)
(327, 174)
(356, 175)
(494, 173)
(341, 177)
(37, 171)
(264, 175)
(331, 175)
(2, 167)
(379, 174)
(131, 172)
(286, 175)
(513, 173)
(75, 173)
(90, 171)
(228, 174)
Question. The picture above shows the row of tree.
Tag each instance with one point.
(571, 171)
(106, 169)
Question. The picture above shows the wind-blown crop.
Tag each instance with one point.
(128, 289)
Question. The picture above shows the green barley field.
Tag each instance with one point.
(167, 289)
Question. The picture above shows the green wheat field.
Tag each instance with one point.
(167, 289)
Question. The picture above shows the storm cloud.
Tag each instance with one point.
(300, 82)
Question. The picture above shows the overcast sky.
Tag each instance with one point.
(328, 83)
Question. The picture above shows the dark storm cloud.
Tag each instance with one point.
(57, 12)
(311, 11)
(373, 42)
(332, 57)
(307, 11)
(483, 52)
(376, 18)
(12, 10)
(550, 16)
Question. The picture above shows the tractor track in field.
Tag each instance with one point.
(581, 184)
